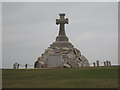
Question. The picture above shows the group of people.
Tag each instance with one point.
(16, 66)
(106, 63)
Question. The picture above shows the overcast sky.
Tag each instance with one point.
(29, 28)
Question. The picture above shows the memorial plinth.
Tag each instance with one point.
(61, 53)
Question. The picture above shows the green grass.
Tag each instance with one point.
(89, 77)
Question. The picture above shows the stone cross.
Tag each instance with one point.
(62, 21)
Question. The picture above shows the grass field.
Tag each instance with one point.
(89, 77)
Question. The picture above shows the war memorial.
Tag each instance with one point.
(61, 53)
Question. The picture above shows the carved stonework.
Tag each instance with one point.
(61, 53)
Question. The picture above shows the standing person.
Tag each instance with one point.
(109, 63)
(104, 63)
(94, 64)
(97, 63)
(14, 67)
(18, 66)
(25, 66)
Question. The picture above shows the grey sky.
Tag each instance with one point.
(29, 28)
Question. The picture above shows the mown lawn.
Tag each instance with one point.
(89, 77)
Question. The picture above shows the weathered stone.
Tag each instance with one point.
(15, 66)
(61, 53)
